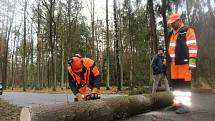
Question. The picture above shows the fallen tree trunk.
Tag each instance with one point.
(108, 109)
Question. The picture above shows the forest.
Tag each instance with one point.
(37, 37)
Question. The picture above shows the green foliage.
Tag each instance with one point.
(71, 34)
(138, 34)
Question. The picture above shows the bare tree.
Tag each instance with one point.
(24, 50)
(153, 35)
(39, 12)
(93, 26)
(108, 49)
(117, 65)
(163, 13)
(9, 24)
(121, 47)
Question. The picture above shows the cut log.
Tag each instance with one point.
(109, 109)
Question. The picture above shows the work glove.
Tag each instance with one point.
(164, 61)
(192, 63)
(79, 97)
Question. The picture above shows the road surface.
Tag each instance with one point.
(202, 109)
(30, 99)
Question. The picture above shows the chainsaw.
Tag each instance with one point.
(92, 96)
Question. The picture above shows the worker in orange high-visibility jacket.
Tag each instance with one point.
(83, 73)
(182, 51)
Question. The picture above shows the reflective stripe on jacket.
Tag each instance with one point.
(182, 46)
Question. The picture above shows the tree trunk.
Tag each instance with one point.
(38, 47)
(69, 29)
(32, 59)
(154, 39)
(8, 33)
(93, 27)
(130, 22)
(108, 49)
(118, 76)
(163, 12)
(24, 51)
(43, 60)
(13, 77)
(16, 59)
(52, 42)
(121, 48)
(109, 109)
(27, 61)
(62, 64)
(97, 40)
(55, 55)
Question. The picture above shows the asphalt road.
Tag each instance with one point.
(202, 109)
(30, 99)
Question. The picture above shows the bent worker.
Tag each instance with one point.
(159, 70)
(183, 53)
(83, 73)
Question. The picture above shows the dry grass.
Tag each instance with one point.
(9, 112)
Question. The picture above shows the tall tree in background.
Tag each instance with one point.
(153, 37)
(24, 50)
(39, 48)
(108, 49)
(50, 6)
(130, 34)
(92, 41)
(60, 33)
(69, 27)
(32, 77)
(165, 27)
(6, 37)
(93, 28)
(13, 56)
(121, 48)
(117, 42)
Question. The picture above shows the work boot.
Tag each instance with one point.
(182, 110)
(172, 108)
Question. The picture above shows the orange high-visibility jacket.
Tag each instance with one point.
(84, 81)
(182, 47)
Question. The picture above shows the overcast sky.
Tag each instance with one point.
(100, 9)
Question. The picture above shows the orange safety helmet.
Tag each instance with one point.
(76, 64)
(173, 18)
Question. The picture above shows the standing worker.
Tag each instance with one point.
(159, 70)
(83, 73)
(183, 53)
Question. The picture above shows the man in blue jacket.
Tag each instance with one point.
(159, 70)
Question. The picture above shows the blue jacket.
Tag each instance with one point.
(157, 65)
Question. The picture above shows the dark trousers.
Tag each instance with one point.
(180, 84)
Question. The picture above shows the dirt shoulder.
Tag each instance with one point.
(9, 112)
